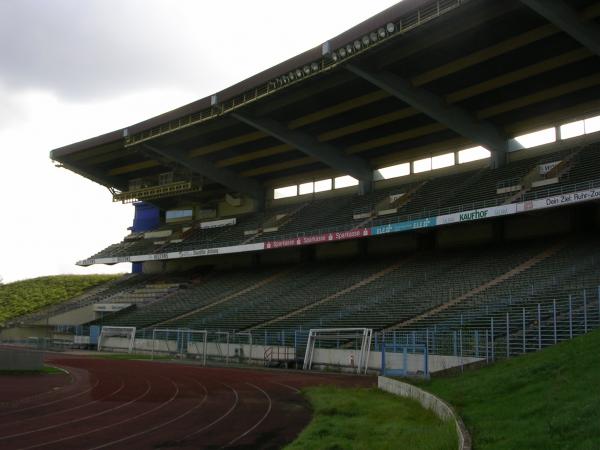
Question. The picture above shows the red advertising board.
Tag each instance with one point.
(319, 238)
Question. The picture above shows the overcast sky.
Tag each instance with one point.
(73, 69)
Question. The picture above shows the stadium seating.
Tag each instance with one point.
(435, 289)
(458, 191)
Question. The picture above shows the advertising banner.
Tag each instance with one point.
(559, 200)
(404, 226)
(465, 216)
(319, 238)
(477, 214)
(218, 223)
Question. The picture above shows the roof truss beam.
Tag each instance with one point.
(569, 21)
(453, 117)
(207, 169)
(309, 145)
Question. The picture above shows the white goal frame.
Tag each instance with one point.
(110, 331)
(330, 334)
(184, 342)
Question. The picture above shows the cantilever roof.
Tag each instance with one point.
(504, 67)
(254, 81)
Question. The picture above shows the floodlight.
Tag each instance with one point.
(314, 66)
(285, 79)
(291, 76)
(381, 33)
(335, 57)
(298, 73)
(342, 52)
(390, 27)
(357, 45)
(365, 40)
(306, 70)
(349, 49)
(373, 36)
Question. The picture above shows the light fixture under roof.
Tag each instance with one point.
(342, 52)
(298, 73)
(381, 33)
(349, 49)
(306, 70)
(373, 36)
(357, 45)
(314, 66)
(291, 76)
(390, 27)
(334, 56)
(366, 40)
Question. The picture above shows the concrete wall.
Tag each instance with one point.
(23, 332)
(242, 351)
(395, 243)
(337, 250)
(341, 358)
(430, 402)
(281, 256)
(323, 358)
(76, 316)
(546, 223)
(465, 234)
(18, 359)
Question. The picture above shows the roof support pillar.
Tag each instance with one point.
(207, 169)
(324, 152)
(566, 18)
(455, 118)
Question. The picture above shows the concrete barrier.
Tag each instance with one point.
(18, 359)
(429, 401)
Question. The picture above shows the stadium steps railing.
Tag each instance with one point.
(227, 298)
(500, 279)
(364, 281)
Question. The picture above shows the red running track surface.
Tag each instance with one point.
(154, 405)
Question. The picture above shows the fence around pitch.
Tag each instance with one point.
(497, 331)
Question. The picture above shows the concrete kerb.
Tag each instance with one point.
(429, 401)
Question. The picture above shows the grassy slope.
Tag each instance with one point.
(546, 400)
(23, 297)
(46, 370)
(368, 419)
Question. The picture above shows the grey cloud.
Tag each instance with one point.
(92, 48)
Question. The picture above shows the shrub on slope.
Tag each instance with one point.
(24, 297)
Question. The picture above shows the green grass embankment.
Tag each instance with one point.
(27, 296)
(546, 400)
(369, 419)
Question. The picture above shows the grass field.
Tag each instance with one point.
(24, 297)
(128, 356)
(369, 419)
(43, 370)
(546, 400)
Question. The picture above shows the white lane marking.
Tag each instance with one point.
(257, 423)
(229, 411)
(160, 425)
(62, 411)
(148, 390)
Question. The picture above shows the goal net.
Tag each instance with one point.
(117, 337)
(349, 347)
(180, 343)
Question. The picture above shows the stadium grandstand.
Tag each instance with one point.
(432, 172)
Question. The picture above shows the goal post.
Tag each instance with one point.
(180, 342)
(195, 344)
(107, 332)
(334, 337)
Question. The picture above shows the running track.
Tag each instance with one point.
(153, 405)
